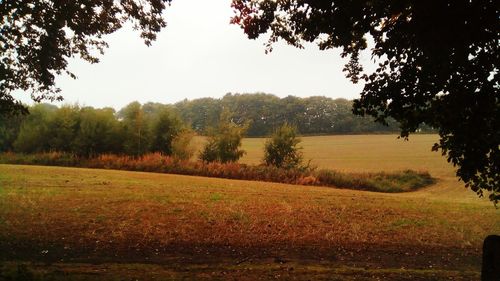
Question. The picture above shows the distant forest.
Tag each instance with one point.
(137, 129)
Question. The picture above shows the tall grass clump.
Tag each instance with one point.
(401, 181)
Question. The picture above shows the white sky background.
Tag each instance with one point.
(199, 54)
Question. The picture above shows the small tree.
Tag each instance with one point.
(137, 133)
(210, 150)
(182, 145)
(165, 127)
(224, 142)
(281, 149)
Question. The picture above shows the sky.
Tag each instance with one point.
(199, 54)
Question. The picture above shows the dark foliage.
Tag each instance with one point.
(437, 64)
(38, 37)
(88, 131)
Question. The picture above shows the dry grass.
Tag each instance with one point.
(396, 181)
(63, 202)
(375, 153)
(49, 213)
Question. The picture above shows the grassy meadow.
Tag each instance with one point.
(88, 224)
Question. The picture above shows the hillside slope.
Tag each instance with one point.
(67, 216)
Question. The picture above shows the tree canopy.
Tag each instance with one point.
(38, 37)
(315, 115)
(437, 64)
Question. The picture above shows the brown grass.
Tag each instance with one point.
(110, 211)
(245, 229)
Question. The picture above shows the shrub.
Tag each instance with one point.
(45, 158)
(337, 179)
(210, 151)
(224, 142)
(182, 145)
(407, 180)
(281, 149)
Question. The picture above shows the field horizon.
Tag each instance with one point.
(87, 224)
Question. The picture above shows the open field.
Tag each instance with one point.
(362, 153)
(83, 224)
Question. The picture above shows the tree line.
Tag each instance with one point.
(317, 115)
(138, 128)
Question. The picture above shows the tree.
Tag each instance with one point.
(224, 142)
(99, 132)
(38, 37)
(62, 128)
(264, 112)
(200, 113)
(257, 109)
(281, 149)
(34, 131)
(437, 64)
(136, 130)
(183, 147)
(9, 130)
(165, 127)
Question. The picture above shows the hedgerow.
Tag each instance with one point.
(401, 181)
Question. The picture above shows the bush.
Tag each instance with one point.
(402, 181)
(45, 158)
(182, 145)
(210, 151)
(224, 143)
(281, 149)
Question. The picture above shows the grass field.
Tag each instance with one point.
(82, 224)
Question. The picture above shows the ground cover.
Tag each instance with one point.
(87, 224)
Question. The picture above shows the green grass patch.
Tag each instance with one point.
(215, 197)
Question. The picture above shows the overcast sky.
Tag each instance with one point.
(199, 54)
